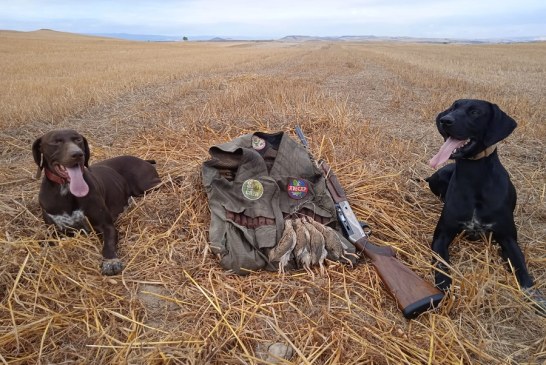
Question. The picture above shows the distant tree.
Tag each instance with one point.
(184, 38)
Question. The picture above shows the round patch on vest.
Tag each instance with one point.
(252, 189)
(258, 143)
(297, 188)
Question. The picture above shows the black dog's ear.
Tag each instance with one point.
(500, 126)
(37, 154)
(86, 151)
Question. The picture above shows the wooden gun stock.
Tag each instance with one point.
(412, 294)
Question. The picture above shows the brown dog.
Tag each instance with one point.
(73, 193)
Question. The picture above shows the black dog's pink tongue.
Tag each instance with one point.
(445, 151)
(78, 186)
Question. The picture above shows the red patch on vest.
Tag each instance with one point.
(297, 188)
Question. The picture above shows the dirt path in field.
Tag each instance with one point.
(365, 85)
(376, 95)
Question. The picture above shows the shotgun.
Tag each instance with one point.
(413, 295)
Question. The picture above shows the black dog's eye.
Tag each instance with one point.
(78, 139)
(475, 112)
(58, 141)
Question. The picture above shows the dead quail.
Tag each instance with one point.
(302, 250)
(335, 246)
(281, 252)
(318, 250)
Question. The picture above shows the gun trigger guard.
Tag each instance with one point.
(366, 228)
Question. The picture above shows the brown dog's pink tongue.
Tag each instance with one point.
(78, 186)
(445, 151)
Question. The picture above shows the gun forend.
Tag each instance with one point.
(332, 183)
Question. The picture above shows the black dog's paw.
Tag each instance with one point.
(538, 299)
(439, 181)
(111, 267)
(442, 281)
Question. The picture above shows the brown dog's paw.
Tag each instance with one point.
(111, 267)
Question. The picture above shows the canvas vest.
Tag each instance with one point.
(253, 183)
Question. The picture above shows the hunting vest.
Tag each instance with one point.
(253, 183)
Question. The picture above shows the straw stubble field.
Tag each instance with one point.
(368, 108)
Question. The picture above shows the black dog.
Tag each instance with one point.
(73, 193)
(478, 194)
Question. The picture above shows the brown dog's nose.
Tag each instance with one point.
(74, 151)
(76, 154)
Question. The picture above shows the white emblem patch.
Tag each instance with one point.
(252, 189)
(258, 143)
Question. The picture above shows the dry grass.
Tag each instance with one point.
(367, 108)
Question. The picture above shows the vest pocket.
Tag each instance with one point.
(240, 255)
(266, 236)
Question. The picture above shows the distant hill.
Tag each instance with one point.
(166, 38)
(372, 38)
(290, 38)
(306, 38)
(46, 34)
(219, 39)
(139, 37)
(158, 38)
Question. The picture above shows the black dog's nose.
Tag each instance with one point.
(447, 120)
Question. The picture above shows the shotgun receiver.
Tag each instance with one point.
(413, 295)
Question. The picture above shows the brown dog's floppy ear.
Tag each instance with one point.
(37, 154)
(86, 151)
(500, 126)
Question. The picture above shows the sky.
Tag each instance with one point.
(468, 19)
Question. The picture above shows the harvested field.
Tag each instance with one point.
(367, 108)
